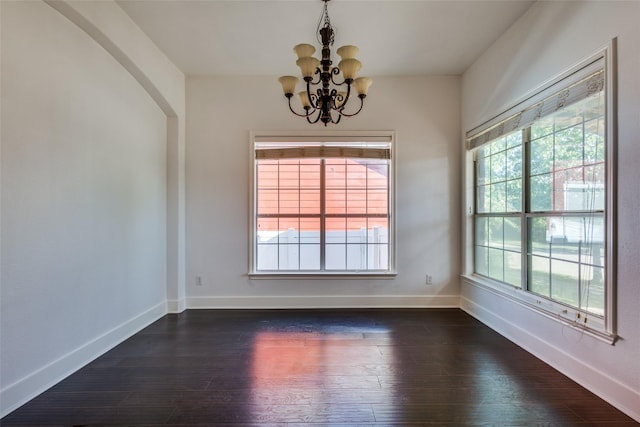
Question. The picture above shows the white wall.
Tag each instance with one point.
(221, 112)
(84, 190)
(549, 39)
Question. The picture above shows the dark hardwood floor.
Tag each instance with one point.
(435, 367)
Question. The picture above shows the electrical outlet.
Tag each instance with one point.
(198, 280)
(429, 280)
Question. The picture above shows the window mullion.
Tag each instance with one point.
(323, 215)
(525, 206)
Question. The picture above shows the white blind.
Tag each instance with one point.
(323, 152)
(288, 147)
(575, 87)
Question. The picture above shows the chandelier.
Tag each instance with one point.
(325, 99)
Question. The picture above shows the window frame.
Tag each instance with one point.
(605, 328)
(295, 138)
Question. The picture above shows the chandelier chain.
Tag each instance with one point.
(327, 24)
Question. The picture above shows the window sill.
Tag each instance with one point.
(550, 309)
(322, 276)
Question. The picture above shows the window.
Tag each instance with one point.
(543, 199)
(322, 205)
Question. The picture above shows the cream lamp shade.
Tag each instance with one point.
(349, 68)
(304, 99)
(308, 65)
(362, 85)
(304, 50)
(288, 84)
(347, 52)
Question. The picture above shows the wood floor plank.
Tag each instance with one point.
(293, 368)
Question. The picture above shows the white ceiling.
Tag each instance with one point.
(256, 37)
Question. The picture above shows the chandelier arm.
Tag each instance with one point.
(313, 99)
(336, 71)
(308, 112)
(319, 73)
(316, 119)
(333, 97)
(353, 114)
(345, 100)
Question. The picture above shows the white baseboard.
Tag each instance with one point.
(25, 389)
(609, 389)
(336, 301)
(176, 306)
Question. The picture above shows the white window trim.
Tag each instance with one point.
(325, 136)
(605, 329)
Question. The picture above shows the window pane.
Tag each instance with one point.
(377, 201)
(514, 195)
(496, 232)
(336, 200)
(288, 257)
(541, 193)
(309, 230)
(499, 197)
(310, 257)
(482, 260)
(514, 162)
(288, 201)
(310, 201)
(378, 257)
(568, 148)
(288, 174)
(541, 158)
(267, 230)
(514, 139)
(498, 167)
(357, 230)
(483, 198)
(356, 257)
(481, 228)
(564, 282)
(498, 145)
(512, 234)
(496, 264)
(378, 230)
(336, 230)
(483, 169)
(592, 289)
(267, 257)
(356, 200)
(539, 236)
(267, 202)
(289, 230)
(336, 257)
(539, 275)
(513, 268)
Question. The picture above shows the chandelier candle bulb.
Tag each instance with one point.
(328, 88)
